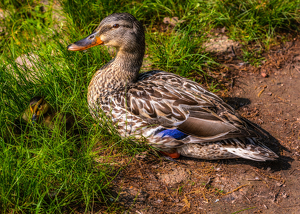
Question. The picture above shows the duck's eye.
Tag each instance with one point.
(116, 25)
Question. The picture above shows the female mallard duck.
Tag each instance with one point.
(175, 114)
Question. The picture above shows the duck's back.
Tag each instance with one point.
(181, 114)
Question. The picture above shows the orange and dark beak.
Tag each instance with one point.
(88, 42)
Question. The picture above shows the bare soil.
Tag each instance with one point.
(156, 185)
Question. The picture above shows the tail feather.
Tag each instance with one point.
(252, 149)
(256, 156)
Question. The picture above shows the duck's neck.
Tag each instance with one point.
(125, 67)
(117, 74)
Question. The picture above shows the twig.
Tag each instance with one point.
(262, 91)
(208, 182)
(236, 189)
(187, 204)
(232, 49)
(253, 179)
(205, 197)
(275, 197)
(246, 197)
(260, 176)
(244, 210)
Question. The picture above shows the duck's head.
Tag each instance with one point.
(120, 30)
(38, 107)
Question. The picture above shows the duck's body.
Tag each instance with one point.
(175, 114)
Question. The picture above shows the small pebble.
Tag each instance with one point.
(264, 75)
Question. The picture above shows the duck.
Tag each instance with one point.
(40, 112)
(174, 114)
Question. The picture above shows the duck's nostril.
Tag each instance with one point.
(92, 37)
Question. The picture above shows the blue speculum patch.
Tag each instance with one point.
(178, 135)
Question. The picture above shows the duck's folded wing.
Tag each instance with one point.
(198, 115)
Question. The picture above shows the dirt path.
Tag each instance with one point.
(153, 185)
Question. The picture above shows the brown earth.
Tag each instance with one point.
(155, 185)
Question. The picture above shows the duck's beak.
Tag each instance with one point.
(88, 42)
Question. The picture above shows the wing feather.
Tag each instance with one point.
(172, 101)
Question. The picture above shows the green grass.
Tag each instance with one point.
(23, 22)
(178, 51)
(49, 171)
(46, 170)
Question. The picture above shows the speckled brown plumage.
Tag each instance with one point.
(172, 112)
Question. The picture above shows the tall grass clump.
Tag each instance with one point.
(246, 20)
(252, 19)
(50, 170)
(178, 51)
(87, 14)
(22, 22)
